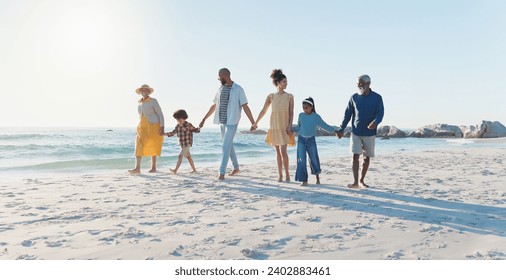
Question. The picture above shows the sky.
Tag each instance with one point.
(77, 63)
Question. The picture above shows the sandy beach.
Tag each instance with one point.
(444, 204)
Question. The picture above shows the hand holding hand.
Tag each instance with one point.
(254, 127)
(289, 131)
(202, 123)
(340, 135)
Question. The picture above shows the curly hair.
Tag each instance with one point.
(180, 114)
(277, 76)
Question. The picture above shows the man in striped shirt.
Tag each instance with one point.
(229, 101)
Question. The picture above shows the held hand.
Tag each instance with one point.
(371, 126)
(162, 131)
(340, 135)
(254, 127)
(289, 131)
(202, 123)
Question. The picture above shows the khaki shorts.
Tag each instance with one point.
(362, 145)
(185, 152)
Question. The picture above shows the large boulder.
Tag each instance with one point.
(438, 131)
(390, 132)
(487, 129)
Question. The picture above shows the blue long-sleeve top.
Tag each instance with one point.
(362, 110)
(307, 125)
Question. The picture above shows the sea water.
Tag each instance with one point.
(32, 152)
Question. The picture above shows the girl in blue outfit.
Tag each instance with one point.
(308, 122)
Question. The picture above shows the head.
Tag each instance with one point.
(364, 84)
(308, 105)
(224, 76)
(279, 79)
(145, 91)
(181, 116)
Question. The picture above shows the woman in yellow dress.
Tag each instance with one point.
(280, 134)
(150, 130)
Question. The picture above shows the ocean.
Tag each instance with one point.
(48, 152)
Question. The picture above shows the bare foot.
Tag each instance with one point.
(222, 177)
(174, 171)
(134, 171)
(363, 184)
(280, 179)
(287, 180)
(304, 184)
(153, 170)
(193, 172)
(353, 186)
(318, 182)
(234, 172)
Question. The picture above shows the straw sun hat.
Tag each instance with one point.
(138, 91)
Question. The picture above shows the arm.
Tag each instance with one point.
(193, 129)
(172, 133)
(325, 126)
(243, 101)
(262, 113)
(248, 113)
(290, 116)
(159, 113)
(380, 111)
(296, 128)
(347, 116)
(210, 112)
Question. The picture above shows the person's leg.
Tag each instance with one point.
(190, 159)
(365, 166)
(284, 154)
(233, 156)
(178, 164)
(301, 172)
(314, 159)
(228, 133)
(137, 168)
(280, 163)
(368, 150)
(153, 164)
(356, 148)
(355, 168)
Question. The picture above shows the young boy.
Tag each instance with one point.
(184, 131)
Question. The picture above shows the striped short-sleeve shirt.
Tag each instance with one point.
(224, 97)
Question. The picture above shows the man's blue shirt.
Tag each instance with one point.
(362, 110)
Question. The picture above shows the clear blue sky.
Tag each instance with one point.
(77, 63)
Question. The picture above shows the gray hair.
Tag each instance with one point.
(365, 78)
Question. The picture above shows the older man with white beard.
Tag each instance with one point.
(365, 110)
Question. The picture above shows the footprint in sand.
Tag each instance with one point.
(491, 255)
(232, 242)
(27, 243)
(254, 254)
(395, 255)
(316, 219)
(26, 257)
(177, 252)
(55, 244)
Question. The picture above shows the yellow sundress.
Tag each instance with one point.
(277, 135)
(149, 141)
